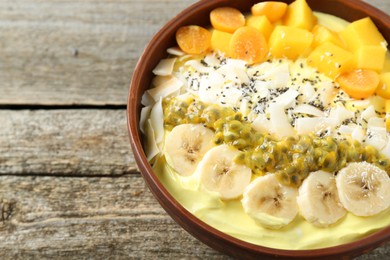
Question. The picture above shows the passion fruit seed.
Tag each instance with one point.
(291, 159)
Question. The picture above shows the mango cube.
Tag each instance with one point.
(331, 59)
(388, 124)
(383, 89)
(367, 43)
(260, 23)
(272, 9)
(362, 32)
(371, 57)
(300, 15)
(386, 66)
(220, 41)
(387, 106)
(323, 34)
(289, 42)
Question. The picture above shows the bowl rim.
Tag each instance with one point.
(185, 218)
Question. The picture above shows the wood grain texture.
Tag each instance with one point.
(72, 52)
(65, 142)
(82, 217)
(69, 187)
(89, 218)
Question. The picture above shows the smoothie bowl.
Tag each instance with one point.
(262, 127)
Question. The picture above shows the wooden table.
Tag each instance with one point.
(69, 187)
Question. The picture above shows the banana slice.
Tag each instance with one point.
(318, 199)
(270, 203)
(363, 188)
(219, 173)
(185, 146)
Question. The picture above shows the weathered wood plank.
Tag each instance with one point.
(88, 218)
(65, 142)
(67, 52)
(72, 52)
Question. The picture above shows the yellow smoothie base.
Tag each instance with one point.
(229, 217)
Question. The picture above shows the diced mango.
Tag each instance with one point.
(386, 66)
(323, 34)
(387, 106)
(362, 32)
(220, 41)
(289, 42)
(272, 9)
(300, 15)
(260, 23)
(331, 59)
(383, 89)
(367, 43)
(370, 57)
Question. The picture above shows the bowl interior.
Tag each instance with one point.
(198, 14)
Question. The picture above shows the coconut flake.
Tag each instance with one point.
(287, 98)
(339, 114)
(146, 99)
(306, 125)
(279, 121)
(157, 121)
(151, 148)
(212, 60)
(164, 67)
(159, 80)
(176, 51)
(346, 129)
(308, 93)
(360, 103)
(185, 57)
(308, 110)
(235, 71)
(145, 114)
(198, 66)
(165, 89)
(230, 96)
(211, 87)
(261, 123)
(377, 137)
(358, 134)
(376, 122)
(327, 92)
(368, 113)
(262, 89)
(276, 75)
(244, 107)
(386, 149)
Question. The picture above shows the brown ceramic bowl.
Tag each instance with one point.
(199, 14)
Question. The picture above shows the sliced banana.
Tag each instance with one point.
(364, 189)
(318, 199)
(270, 203)
(219, 173)
(185, 146)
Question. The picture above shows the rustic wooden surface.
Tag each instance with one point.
(69, 187)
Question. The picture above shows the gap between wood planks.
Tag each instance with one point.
(121, 175)
(61, 106)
